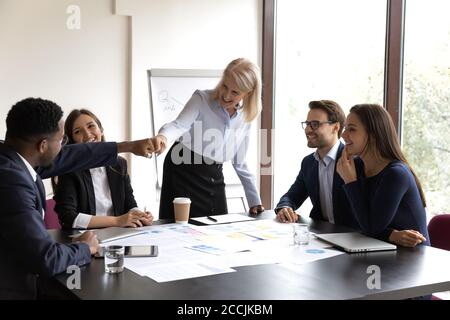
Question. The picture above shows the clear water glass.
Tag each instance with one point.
(301, 234)
(114, 258)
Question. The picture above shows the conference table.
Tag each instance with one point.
(404, 273)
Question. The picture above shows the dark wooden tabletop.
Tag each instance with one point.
(405, 273)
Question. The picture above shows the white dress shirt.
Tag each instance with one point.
(103, 199)
(207, 129)
(102, 194)
(326, 173)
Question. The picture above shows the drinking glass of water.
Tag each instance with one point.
(300, 234)
(114, 257)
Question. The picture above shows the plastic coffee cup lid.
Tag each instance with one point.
(181, 200)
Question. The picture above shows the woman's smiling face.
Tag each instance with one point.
(354, 135)
(85, 129)
(229, 94)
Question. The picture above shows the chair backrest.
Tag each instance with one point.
(439, 231)
(51, 218)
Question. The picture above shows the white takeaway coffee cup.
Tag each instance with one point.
(181, 208)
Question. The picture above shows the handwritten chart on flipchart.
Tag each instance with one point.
(170, 89)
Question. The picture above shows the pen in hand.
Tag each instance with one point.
(211, 218)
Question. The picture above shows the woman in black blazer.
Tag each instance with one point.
(100, 197)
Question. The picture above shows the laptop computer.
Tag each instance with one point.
(114, 233)
(355, 242)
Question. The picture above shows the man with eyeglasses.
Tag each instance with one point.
(318, 178)
(33, 150)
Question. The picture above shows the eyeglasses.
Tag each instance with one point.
(314, 124)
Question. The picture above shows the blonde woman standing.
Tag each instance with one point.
(213, 127)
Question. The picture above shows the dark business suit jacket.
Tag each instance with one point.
(74, 193)
(307, 185)
(27, 250)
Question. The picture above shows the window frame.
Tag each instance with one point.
(393, 81)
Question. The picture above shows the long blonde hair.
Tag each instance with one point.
(247, 77)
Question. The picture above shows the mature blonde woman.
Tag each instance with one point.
(212, 128)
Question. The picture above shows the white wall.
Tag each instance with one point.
(183, 34)
(41, 57)
(89, 67)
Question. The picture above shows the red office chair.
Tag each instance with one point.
(439, 232)
(51, 218)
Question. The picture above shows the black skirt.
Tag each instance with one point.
(197, 178)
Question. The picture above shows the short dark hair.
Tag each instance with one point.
(73, 116)
(33, 117)
(333, 110)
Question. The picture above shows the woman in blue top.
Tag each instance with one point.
(384, 193)
(213, 127)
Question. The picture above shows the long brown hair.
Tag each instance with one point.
(70, 121)
(73, 116)
(382, 136)
(68, 128)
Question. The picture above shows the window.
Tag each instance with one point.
(325, 49)
(426, 103)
